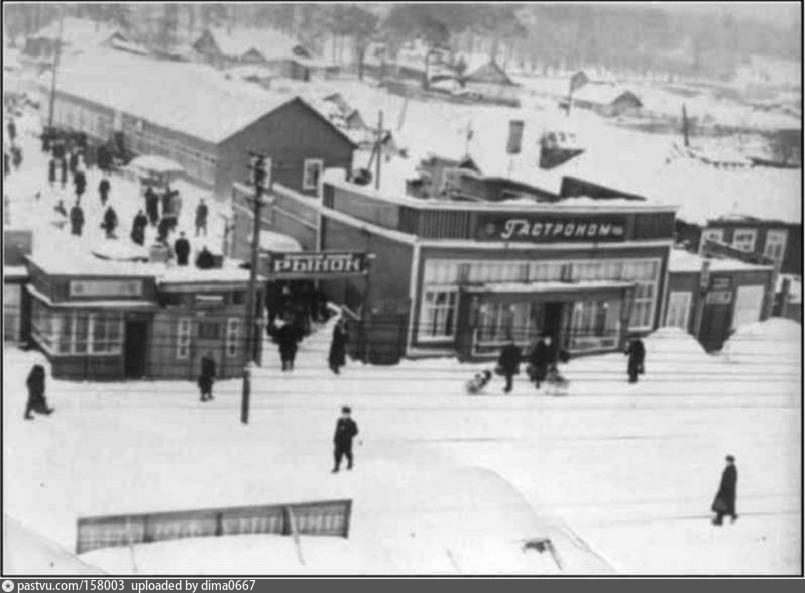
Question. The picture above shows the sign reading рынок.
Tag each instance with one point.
(321, 264)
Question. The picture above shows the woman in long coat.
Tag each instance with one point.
(338, 347)
(36, 393)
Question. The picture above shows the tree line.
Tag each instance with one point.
(526, 36)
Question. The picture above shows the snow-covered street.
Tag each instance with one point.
(619, 476)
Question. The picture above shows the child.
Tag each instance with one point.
(478, 382)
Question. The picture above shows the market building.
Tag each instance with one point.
(458, 278)
(711, 297)
(143, 103)
(111, 320)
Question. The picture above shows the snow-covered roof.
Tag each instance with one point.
(601, 94)
(191, 98)
(155, 162)
(269, 43)
(685, 261)
(489, 73)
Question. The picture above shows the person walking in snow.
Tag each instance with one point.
(77, 219)
(724, 502)
(509, 363)
(182, 249)
(636, 352)
(51, 171)
(205, 259)
(103, 191)
(6, 164)
(36, 393)
(166, 202)
(207, 377)
(338, 346)
(176, 205)
(73, 162)
(63, 173)
(201, 218)
(80, 182)
(152, 205)
(16, 156)
(110, 222)
(287, 337)
(138, 228)
(540, 359)
(345, 430)
(11, 127)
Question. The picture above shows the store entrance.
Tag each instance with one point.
(135, 349)
(552, 320)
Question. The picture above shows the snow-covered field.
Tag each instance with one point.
(619, 476)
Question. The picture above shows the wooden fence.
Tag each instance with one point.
(324, 518)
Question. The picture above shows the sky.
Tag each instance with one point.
(778, 13)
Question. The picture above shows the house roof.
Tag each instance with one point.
(684, 261)
(603, 94)
(270, 44)
(490, 73)
(190, 98)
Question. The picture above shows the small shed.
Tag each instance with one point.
(607, 100)
(491, 82)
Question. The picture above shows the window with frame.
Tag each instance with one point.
(232, 336)
(438, 317)
(183, 338)
(775, 245)
(645, 273)
(209, 331)
(711, 235)
(744, 239)
(311, 174)
(678, 313)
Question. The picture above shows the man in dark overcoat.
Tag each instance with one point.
(345, 431)
(540, 359)
(77, 219)
(152, 205)
(724, 502)
(636, 352)
(207, 377)
(36, 393)
(138, 228)
(182, 249)
(338, 346)
(509, 363)
(103, 190)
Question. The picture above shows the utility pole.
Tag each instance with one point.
(379, 148)
(56, 61)
(258, 169)
(685, 125)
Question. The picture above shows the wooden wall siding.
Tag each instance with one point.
(326, 518)
(87, 368)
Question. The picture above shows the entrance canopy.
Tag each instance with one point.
(553, 289)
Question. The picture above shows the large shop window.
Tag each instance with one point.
(11, 311)
(595, 324)
(500, 322)
(77, 332)
(438, 320)
(232, 336)
(312, 173)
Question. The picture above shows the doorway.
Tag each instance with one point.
(135, 349)
(552, 322)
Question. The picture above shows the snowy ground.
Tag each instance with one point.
(619, 476)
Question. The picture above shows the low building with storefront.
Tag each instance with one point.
(17, 244)
(711, 297)
(104, 320)
(144, 104)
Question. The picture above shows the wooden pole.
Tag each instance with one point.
(379, 148)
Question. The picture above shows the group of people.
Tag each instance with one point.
(542, 363)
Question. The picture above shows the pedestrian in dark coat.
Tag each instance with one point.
(162, 231)
(205, 259)
(36, 393)
(63, 173)
(77, 219)
(104, 159)
(138, 228)
(724, 502)
(509, 363)
(73, 162)
(201, 218)
(80, 181)
(166, 202)
(16, 156)
(288, 342)
(152, 205)
(540, 360)
(109, 222)
(182, 249)
(6, 164)
(51, 171)
(207, 377)
(636, 352)
(103, 190)
(12, 129)
(338, 347)
(345, 431)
